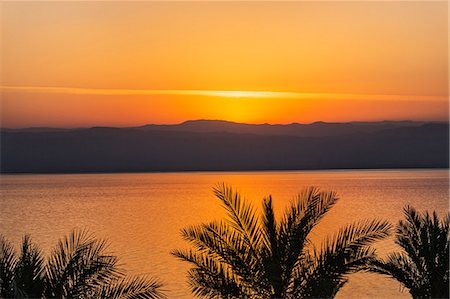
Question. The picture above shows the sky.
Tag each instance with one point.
(78, 64)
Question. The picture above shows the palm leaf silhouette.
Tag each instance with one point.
(78, 267)
(8, 262)
(248, 255)
(29, 270)
(132, 288)
(423, 265)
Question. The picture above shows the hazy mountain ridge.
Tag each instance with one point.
(293, 129)
(101, 149)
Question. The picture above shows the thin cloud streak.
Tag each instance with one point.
(219, 93)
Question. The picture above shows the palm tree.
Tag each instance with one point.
(423, 266)
(78, 267)
(246, 256)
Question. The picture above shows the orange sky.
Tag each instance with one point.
(117, 63)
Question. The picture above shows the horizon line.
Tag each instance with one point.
(226, 121)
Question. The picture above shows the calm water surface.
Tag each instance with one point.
(141, 214)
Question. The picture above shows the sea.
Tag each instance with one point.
(141, 214)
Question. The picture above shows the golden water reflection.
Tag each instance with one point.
(141, 214)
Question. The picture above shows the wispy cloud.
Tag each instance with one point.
(218, 93)
(110, 91)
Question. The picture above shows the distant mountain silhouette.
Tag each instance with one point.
(294, 129)
(218, 145)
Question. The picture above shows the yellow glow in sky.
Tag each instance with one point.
(130, 63)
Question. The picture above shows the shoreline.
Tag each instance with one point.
(231, 171)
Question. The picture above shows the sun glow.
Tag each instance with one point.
(167, 62)
(250, 94)
(233, 94)
(31, 106)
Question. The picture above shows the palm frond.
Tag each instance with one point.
(242, 214)
(271, 251)
(423, 267)
(346, 252)
(138, 287)
(8, 261)
(29, 271)
(411, 236)
(399, 266)
(210, 278)
(356, 235)
(244, 219)
(221, 242)
(270, 227)
(247, 256)
(79, 265)
(309, 208)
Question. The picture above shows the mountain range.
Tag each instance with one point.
(212, 145)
